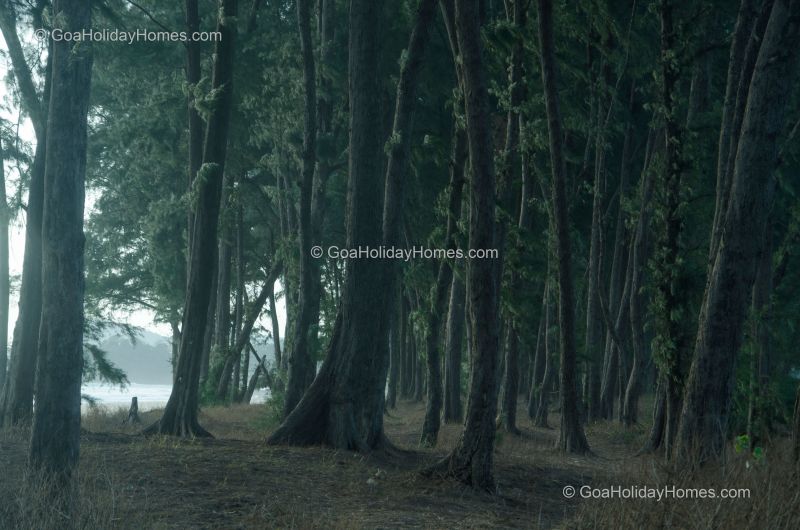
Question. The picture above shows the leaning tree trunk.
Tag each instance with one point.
(55, 436)
(471, 461)
(301, 364)
(704, 419)
(571, 437)
(16, 402)
(180, 414)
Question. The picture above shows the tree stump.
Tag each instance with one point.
(133, 412)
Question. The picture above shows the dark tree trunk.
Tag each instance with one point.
(193, 74)
(670, 343)
(508, 403)
(748, 11)
(16, 403)
(395, 353)
(471, 461)
(453, 410)
(344, 405)
(704, 418)
(222, 320)
(636, 274)
(180, 414)
(571, 437)
(208, 336)
(537, 365)
(433, 407)
(549, 369)
(758, 414)
(55, 436)
(301, 364)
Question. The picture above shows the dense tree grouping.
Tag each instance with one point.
(630, 169)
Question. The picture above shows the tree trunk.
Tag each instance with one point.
(543, 399)
(222, 320)
(433, 330)
(301, 364)
(55, 436)
(571, 437)
(508, 403)
(195, 122)
(16, 403)
(453, 410)
(471, 461)
(537, 366)
(758, 415)
(4, 278)
(395, 353)
(704, 418)
(344, 405)
(636, 274)
(180, 414)
(275, 328)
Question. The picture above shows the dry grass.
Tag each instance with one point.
(768, 496)
(236, 481)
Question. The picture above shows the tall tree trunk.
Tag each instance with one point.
(571, 437)
(275, 329)
(748, 11)
(395, 353)
(704, 418)
(537, 366)
(195, 140)
(670, 343)
(636, 273)
(344, 405)
(549, 368)
(508, 403)
(180, 414)
(433, 329)
(16, 403)
(301, 363)
(621, 250)
(758, 415)
(4, 278)
(222, 320)
(454, 331)
(55, 436)
(471, 461)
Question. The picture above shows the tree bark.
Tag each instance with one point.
(16, 403)
(471, 461)
(571, 437)
(55, 436)
(180, 414)
(301, 364)
(4, 278)
(453, 410)
(511, 155)
(704, 417)
(344, 405)
(433, 406)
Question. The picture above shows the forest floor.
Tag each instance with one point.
(236, 481)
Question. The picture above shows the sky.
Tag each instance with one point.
(9, 112)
